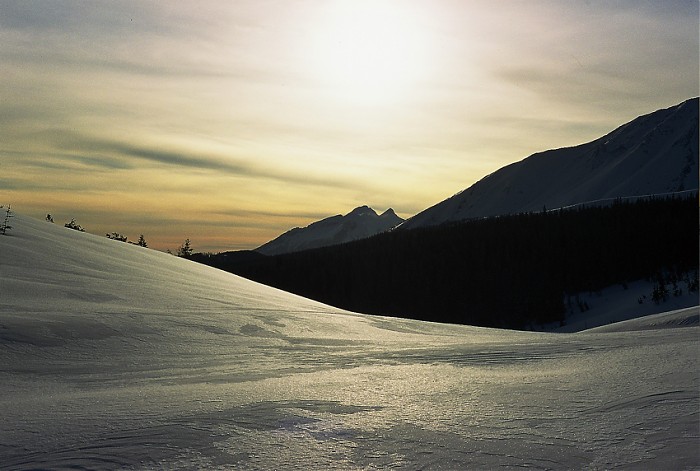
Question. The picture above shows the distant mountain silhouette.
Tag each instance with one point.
(654, 154)
(360, 223)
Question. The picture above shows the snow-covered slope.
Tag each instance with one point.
(618, 303)
(653, 154)
(117, 357)
(689, 316)
(360, 223)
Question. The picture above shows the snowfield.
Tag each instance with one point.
(114, 356)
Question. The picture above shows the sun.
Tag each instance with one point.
(369, 52)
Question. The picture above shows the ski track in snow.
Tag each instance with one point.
(117, 357)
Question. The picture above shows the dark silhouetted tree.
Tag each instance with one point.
(692, 281)
(117, 236)
(74, 225)
(660, 292)
(185, 250)
(5, 225)
(142, 241)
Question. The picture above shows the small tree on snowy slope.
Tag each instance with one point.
(117, 236)
(142, 241)
(5, 225)
(74, 225)
(660, 292)
(185, 250)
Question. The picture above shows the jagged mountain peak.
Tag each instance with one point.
(360, 223)
(362, 211)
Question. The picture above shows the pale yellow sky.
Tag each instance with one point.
(230, 122)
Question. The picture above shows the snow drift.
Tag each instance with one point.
(115, 356)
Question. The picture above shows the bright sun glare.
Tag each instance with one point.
(369, 52)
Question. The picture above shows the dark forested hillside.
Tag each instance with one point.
(505, 271)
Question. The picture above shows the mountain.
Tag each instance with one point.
(113, 356)
(653, 154)
(513, 271)
(360, 223)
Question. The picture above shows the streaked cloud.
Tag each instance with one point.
(118, 111)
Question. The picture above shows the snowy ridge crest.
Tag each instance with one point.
(653, 154)
(360, 223)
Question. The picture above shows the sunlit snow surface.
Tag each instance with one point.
(114, 356)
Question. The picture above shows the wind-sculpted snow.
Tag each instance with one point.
(113, 356)
(668, 320)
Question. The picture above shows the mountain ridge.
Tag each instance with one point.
(652, 154)
(360, 223)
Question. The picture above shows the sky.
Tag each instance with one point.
(230, 122)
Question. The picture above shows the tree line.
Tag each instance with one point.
(508, 271)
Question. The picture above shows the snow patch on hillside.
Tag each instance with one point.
(618, 303)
